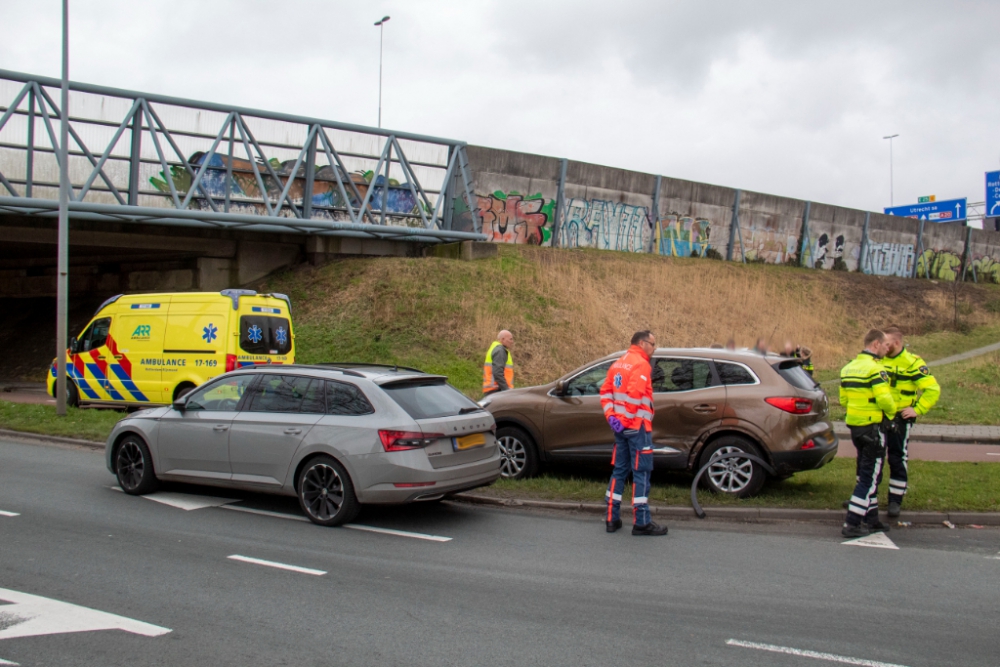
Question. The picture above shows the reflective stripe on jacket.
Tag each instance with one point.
(908, 374)
(865, 392)
(489, 384)
(627, 392)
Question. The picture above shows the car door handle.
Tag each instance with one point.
(220, 428)
(293, 431)
(704, 408)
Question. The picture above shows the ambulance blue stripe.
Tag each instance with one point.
(81, 383)
(103, 382)
(127, 383)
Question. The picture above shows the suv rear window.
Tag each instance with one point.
(427, 400)
(793, 374)
(260, 334)
(731, 374)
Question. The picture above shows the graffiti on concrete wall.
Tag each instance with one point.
(606, 225)
(987, 269)
(514, 218)
(826, 250)
(890, 259)
(683, 236)
(768, 245)
(939, 264)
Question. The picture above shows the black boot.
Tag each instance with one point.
(612, 526)
(854, 531)
(649, 529)
(894, 509)
(877, 527)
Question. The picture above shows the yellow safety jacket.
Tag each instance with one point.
(865, 392)
(489, 384)
(908, 375)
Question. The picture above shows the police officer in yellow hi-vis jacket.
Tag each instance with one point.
(498, 368)
(915, 391)
(865, 393)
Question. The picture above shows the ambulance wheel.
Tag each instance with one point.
(72, 394)
(183, 389)
(134, 466)
(734, 476)
(518, 457)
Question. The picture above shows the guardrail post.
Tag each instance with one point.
(733, 226)
(30, 159)
(920, 250)
(864, 243)
(805, 234)
(560, 203)
(307, 194)
(135, 159)
(655, 219)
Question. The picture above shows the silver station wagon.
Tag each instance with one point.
(335, 436)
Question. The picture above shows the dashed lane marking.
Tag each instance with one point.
(3, 513)
(279, 566)
(277, 515)
(7, 662)
(831, 657)
(876, 540)
(33, 615)
(184, 501)
(398, 533)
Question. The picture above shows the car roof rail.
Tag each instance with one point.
(107, 303)
(235, 295)
(327, 367)
(395, 367)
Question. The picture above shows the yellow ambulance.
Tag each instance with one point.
(150, 349)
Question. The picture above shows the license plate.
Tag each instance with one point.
(468, 441)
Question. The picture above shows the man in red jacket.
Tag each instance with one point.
(627, 400)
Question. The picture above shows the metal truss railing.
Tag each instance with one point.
(245, 171)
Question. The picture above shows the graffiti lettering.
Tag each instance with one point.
(889, 259)
(683, 236)
(605, 225)
(512, 218)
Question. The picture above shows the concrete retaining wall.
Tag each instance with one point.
(613, 209)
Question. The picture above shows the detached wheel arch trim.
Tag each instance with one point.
(698, 511)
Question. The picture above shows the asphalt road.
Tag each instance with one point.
(508, 588)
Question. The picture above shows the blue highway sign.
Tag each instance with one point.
(992, 193)
(948, 210)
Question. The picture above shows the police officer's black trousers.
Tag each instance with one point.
(898, 458)
(870, 443)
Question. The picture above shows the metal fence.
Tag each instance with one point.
(139, 157)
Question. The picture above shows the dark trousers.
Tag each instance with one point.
(863, 504)
(898, 457)
(633, 453)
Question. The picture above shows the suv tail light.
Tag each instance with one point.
(230, 362)
(797, 406)
(400, 441)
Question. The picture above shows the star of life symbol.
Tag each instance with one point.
(281, 335)
(255, 334)
(618, 380)
(211, 333)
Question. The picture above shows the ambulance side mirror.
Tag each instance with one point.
(74, 345)
(561, 388)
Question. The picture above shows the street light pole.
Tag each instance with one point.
(890, 138)
(381, 26)
(62, 262)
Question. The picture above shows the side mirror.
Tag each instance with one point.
(74, 345)
(561, 388)
(179, 404)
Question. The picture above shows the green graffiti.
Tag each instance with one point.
(939, 265)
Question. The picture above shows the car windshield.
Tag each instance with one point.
(427, 400)
(795, 376)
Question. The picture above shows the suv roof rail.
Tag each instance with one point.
(348, 364)
(107, 303)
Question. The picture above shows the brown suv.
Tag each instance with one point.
(707, 401)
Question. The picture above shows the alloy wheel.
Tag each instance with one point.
(129, 465)
(322, 491)
(513, 456)
(730, 475)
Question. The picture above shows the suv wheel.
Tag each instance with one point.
(325, 492)
(733, 476)
(518, 458)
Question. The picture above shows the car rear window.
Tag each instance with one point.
(427, 400)
(288, 393)
(793, 374)
(346, 400)
(731, 374)
(260, 334)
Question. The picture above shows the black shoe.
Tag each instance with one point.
(894, 509)
(649, 529)
(854, 531)
(877, 527)
(612, 526)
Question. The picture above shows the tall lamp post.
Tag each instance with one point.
(890, 138)
(62, 261)
(381, 24)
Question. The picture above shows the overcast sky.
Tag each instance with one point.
(790, 98)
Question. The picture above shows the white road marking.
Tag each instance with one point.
(116, 488)
(2, 513)
(811, 654)
(876, 540)
(398, 533)
(278, 515)
(280, 566)
(33, 615)
(187, 501)
(992, 453)
(7, 662)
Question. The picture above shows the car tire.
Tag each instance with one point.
(325, 492)
(134, 466)
(737, 477)
(518, 456)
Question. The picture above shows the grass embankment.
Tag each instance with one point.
(567, 307)
(81, 424)
(934, 486)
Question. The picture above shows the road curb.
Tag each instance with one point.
(24, 435)
(953, 439)
(742, 514)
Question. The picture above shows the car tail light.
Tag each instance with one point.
(808, 444)
(797, 406)
(230, 362)
(400, 441)
(410, 485)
